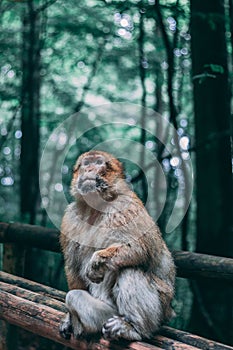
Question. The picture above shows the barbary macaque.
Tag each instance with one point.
(119, 270)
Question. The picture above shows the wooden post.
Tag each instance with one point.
(13, 262)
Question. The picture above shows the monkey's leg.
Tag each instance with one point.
(87, 313)
(139, 304)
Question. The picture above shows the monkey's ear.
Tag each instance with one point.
(75, 168)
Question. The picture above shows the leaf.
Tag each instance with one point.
(215, 68)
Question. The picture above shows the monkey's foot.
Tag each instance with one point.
(70, 324)
(65, 327)
(117, 327)
(77, 328)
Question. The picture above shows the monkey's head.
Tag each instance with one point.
(96, 172)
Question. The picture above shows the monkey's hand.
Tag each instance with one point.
(101, 261)
(97, 267)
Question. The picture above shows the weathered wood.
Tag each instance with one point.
(166, 332)
(18, 305)
(189, 264)
(13, 262)
(28, 301)
(32, 296)
(32, 286)
(166, 343)
(30, 235)
(44, 321)
(195, 265)
(192, 339)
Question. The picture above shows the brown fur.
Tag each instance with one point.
(113, 250)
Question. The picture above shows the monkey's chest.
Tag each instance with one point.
(101, 291)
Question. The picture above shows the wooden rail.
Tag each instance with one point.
(22, 304)
(39, 308)
(30, 235)
(189, 264)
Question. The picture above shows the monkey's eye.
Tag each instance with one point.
(86, 162)
(99, 162)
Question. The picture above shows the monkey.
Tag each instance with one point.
(119, 270)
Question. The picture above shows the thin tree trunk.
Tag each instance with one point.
(142, 73)
(213, 161)
(30, 113)
(170, 59)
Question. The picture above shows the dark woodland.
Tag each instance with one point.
(149, 81)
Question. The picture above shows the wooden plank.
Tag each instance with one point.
(195, 265)
(55, 304)
(32, 296)
(168, 337)
(166, 343)
(189, 264)
(30, 235)
(33, 286)
(191, 339)
(44, 321)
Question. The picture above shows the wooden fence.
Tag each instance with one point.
(39, 308)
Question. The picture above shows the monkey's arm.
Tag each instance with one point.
(118, 256)
(124, 255)
(74, 281)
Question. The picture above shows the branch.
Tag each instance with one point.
(42, 314)
(92, 74)
(189, 264)
(44, 7)
(192, 339)
(160, 159)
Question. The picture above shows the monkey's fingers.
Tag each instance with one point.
(96, 273)
(98, 263)
(117, 327)
(96, 276)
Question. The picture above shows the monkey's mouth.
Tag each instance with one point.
(101, 184)
(88, 185)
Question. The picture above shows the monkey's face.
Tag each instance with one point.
(96, 173)
(91, 172)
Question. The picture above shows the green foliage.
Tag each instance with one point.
(90, 57)
(215, 68)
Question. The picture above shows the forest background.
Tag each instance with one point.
(175, 57)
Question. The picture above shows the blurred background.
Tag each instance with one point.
(174, 57)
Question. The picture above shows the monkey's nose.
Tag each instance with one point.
(89, 175)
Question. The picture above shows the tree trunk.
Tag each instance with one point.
(213, 163)
(30, 113)
(142, 73)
